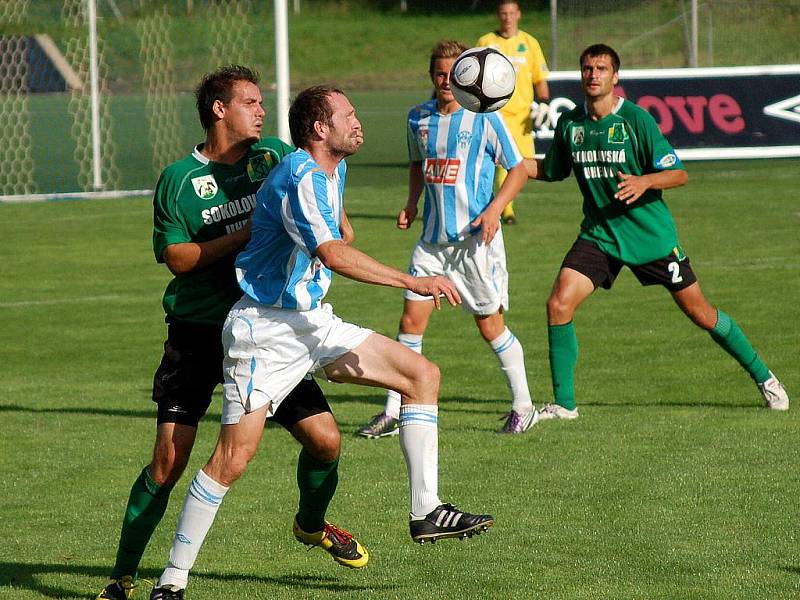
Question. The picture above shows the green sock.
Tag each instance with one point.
(146, 506)
(728, 335)
(563, 358)
(317, 481)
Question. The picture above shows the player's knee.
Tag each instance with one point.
(325, 444)
(428, 374)
(703, 317)
(228, 464)
(409, 324)
(558, 309)
(168, 465)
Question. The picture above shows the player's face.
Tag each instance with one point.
(597, 76)
(345, 134)
(244, 115)
(508, 15)
(441, 80)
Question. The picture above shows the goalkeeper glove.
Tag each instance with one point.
(540, 114)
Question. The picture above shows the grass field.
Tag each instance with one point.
(674, 483)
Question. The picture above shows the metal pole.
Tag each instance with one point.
(694, 49)
(97, 176)
(282, 68)
(554, 34)
(710, 59)
(297, 7)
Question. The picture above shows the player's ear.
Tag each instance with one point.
(321, 129)
(218, 108)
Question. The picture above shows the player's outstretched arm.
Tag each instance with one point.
(189, 256)
(631, 187)
(354, 264)
(489, 219)
(416, 183)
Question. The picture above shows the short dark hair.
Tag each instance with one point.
(601, 50)
(310, 105)
(445, 49)
(219, 86)
(504, 2)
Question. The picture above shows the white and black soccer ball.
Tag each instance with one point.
(482, 79)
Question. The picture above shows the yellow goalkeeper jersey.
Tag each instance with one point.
(526, 55)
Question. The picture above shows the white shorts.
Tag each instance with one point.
(269, 350)
(478, 271)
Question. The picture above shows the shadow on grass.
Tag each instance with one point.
(455, 404)
(26, 576)
(372, 216)
(81, 410)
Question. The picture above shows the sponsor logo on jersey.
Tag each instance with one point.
(667, 161)
(442, 170)
(577, 136)
(229, 210)
(464, 136)
(258, 167)
(205, 187)
(617, 134)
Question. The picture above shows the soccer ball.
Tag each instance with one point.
(482, 79)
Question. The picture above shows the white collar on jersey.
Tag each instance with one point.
(199, 155)
(614, 110)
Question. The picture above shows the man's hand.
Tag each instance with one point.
(436, 286)
(631, 187)
(407, 216)
(489, 222)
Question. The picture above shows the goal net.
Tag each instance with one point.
(60, 141)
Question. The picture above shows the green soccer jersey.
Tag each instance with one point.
(626, 140)
(197, 200)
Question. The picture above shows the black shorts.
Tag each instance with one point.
(191, 369)
(674, 271)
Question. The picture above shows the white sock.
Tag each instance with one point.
(199, 509)
(512, 362)
(413, 342)
(419, 439)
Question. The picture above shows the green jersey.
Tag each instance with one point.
(197, 200)
(626, 140)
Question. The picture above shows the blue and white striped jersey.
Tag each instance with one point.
(458, 154)
(297, 208)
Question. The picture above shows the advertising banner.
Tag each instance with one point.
(710, 113)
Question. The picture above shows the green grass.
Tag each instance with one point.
(673, 484)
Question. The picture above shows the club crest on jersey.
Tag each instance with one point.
(422, 136)
(258, 167)
(577, 136)
(521, 48)
(205, 187)
(617, 134)
(464, 136)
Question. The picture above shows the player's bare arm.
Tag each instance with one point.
(631, 187)
(533, 167)
(354, 264)
(489, 219)
(416, 183)
(189, 256)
